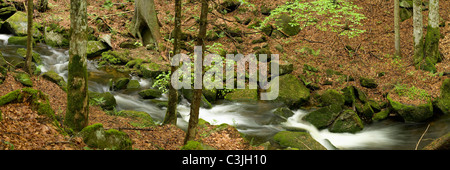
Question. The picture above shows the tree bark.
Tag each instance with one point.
(418, 33)
(146, 26)
(171, 114)
(77, 113)
(29, 37)
(397, 28)
(431, 47)
(195, 105)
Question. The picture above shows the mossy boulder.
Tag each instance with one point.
(95, 136)
(109, 102)
(121, 83)
(133, 84)
(242, 95)
(24, 78)
(141, 119)
(37, 99)
(348, 121)
(55, 39)
(330, 97)
(35, 56)
(10, 97)
(443, 102)
(323, 117)
(353, 95)
(95, 48)
(299, 140)
(283, 23)
(150, 93)
(17, 25)
(55, 78)
(383, 114)
(283, 112)
(19, 40)
(114, 57)
(291, 91)
(368, 83)
(412, 113)
(152, 70)
(189, 94)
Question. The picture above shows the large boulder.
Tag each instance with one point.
(96, 136)
(96, 48)
(242, 95)
(323, 117)
(292, 91)
(150, 93)
(412, 113)
(17, 24)
(330, 97)
(140, 119)
(348, 121)
(443, 102)
(299, 140)
(109, 102)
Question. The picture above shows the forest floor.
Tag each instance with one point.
(22, 128)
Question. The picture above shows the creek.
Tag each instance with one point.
(252, 119)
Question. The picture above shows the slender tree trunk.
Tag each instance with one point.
(77, 113)
(431, 47)
(397, 27)
(418, 33)
(196, 100)
(171, 114)
(29, 37)
(146, 26)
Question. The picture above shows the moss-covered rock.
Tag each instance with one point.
(114, 57)
(300, 140)
(189, 94)
(150, 93)
(411, 113)
(17, 24)
(95, 48)
(283, 112)
(283, 23)
(133, 84)
(142, 119)
(242, 95)
(121, 83)
(368, 83)
(348, 121)
(152, 70)
(35, 56)
(109, 102)
(24, 78)
(55, 39)
(292, 91)
(323, 117)
(443, 102)
(19, 40)
(55, 78)
(330, 97)
(95, 136)
(383, 114)
(10, 97)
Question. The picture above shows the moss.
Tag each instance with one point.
(55, 78)
(10, 97)
(324, 116)
(292, 92)
(96, 137)
(115, 57)
(431, 48)
(330, 97)
(35, 56)
(133, 84)
(383, 114)
(283, 23)
(443, 102)
(242, 95)
(369, 83)
(150, 93)
(348, 121)
(17, 40)
(24, 78)
(142, 119)
(109, 102)
(412, 113)
(300, 140)
(95, 48)
(192, 145)
(121, 83)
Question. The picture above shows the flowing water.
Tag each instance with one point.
(255, 120)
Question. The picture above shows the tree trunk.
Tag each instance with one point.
(418, 33)
(397, 27)
(146, 26)
(195, 105)
(77, 113)
(431, 47)
(171, 114)
(42, 5)
(29, 37)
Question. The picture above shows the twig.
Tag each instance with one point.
(417, 145)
